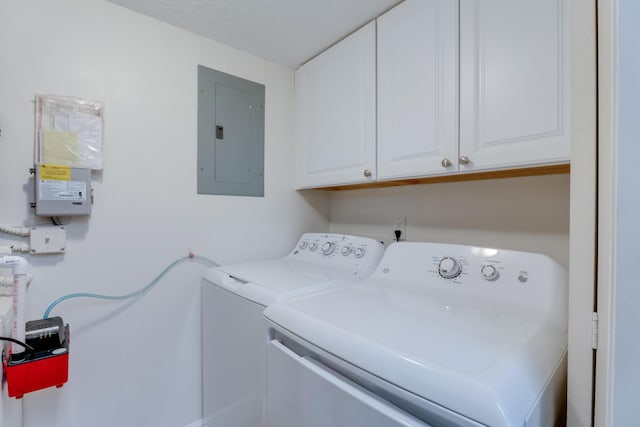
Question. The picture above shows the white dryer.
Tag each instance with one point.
(234, 334)
(438, 335)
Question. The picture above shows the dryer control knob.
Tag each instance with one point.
(346, 250)
(327, 248)
(449, 268)
(313, 246)
(303, 245)
(489, 272)
(359, 252)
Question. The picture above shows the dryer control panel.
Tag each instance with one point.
(360, 254)
(485, 275)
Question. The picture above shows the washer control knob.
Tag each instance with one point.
(327, 248)
(489, 272)
(359, 252)
(313, 246)
(449, 268)
(346, 250)
(303, 245)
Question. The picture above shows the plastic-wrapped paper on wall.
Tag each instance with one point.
(69, 131)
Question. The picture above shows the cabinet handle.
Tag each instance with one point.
(367, 173)
(446, 163)
(464, 160)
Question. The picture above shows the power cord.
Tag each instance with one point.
(20, 343)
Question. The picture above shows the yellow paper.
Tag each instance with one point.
(55, 173)
(59, 147)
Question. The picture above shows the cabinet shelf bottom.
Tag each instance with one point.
(471, 176)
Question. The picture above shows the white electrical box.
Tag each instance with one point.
(62, 190)
(47, 239)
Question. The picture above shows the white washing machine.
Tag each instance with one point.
(234, 335)
(438, 335)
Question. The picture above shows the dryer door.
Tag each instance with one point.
(302, 392)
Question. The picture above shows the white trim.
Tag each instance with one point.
(583, 227)
(607, 223)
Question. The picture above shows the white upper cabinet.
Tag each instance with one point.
(514, 83)
(418, 89)
(461, 86)
(335, 98)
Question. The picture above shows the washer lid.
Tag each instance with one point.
(486, 362)
(267, 281)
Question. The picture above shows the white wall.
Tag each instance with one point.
(626, 381)
(528, 214)
(136, 364)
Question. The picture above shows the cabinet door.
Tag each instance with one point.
(335, 113)
(418, 89)
(514, 85)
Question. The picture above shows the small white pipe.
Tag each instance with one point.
(17, 230)
(8, 281)
(19, 269)
(19, 307)
(17, 264)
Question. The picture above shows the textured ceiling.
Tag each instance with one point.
(288, 32)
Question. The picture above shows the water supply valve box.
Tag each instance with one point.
(46, 365)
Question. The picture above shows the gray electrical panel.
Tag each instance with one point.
(230, 134)
(62, 190)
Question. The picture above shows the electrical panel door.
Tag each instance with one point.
(230, 134)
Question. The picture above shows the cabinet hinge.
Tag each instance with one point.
(594, 331)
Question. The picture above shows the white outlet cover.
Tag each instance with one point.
(47, 240)
(400, 223)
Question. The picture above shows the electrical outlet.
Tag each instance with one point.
(399, 223)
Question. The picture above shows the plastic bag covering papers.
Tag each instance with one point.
(69, 131)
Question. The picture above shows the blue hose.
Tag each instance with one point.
(140, 291)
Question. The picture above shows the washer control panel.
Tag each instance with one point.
(361, 254)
